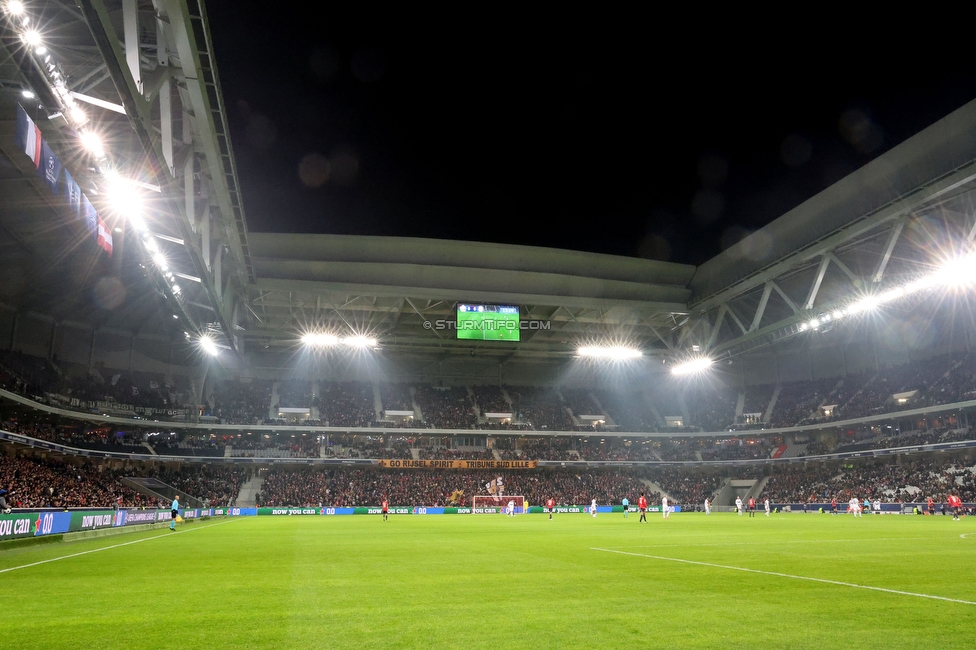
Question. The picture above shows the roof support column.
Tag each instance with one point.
(843, 267)
(786, 299)
(218, 283)
(190, 191)
(761, 309)
(130, 29)
(718, 324)
(815, 287)
(166, 124)
(890, 246)
(205, 240)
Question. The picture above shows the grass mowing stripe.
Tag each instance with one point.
(105, 548)
(786, 575)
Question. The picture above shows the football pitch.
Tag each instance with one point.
(490, 581)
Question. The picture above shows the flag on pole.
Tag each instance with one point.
(50, 167)
(72, 194)
(28, 136)
(89, 214)
(104, 237)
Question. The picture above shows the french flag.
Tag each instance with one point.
(104, 237)
(28, 136)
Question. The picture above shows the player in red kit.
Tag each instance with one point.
(752, 507)
(956, 504)
(551, 505)
(931, 505)
(642, 507)
(386, 510)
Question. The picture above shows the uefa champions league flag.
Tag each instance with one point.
(49, 167)
(72, 194)
(28, 136)
(90, 216)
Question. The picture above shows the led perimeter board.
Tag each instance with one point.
(488, 322)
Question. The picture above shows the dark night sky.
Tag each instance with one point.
(610, 134)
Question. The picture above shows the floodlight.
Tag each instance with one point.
(93, 143)
(320, 340)
(32, 38)
(137, 222)
(608, 352)
(15, 7)
(693, 366)
(957, 272)
(78, 115)
(28, 94)
(123, 197)
(207, 345)
(160, 261)
(359, 341)
(40, 50)
(814, 323)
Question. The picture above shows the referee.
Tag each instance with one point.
(175, 512)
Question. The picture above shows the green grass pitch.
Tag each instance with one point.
(490, 581)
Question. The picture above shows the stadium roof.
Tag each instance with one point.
(150, 85)
(391, 286)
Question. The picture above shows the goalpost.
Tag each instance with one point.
(487, 504)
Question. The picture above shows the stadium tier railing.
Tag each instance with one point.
(370, 430)
(479, 464)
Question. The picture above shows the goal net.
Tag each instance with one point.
(487, 504)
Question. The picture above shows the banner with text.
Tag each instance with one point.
(458, 464)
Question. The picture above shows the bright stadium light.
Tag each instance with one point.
(616, 352)
(28, 94)
(359, 341)
(14, 7)
(693, 366)
(957, 272)
(160, 261)
(208, 345)
(320, 340)
(123, 197)
(78, 115)
(93, 143)
(32, 38)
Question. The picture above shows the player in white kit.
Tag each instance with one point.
(708, 507)
(510, 509)
(766, 504)
(664, 507)
(738, 505)
(593, 507)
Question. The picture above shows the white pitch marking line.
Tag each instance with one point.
(105, 548)
(796, 541)
(965, 535)
(787, 575)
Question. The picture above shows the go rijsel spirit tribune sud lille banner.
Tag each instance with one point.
(459, 464)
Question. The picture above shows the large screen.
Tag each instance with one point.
(488, 322)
